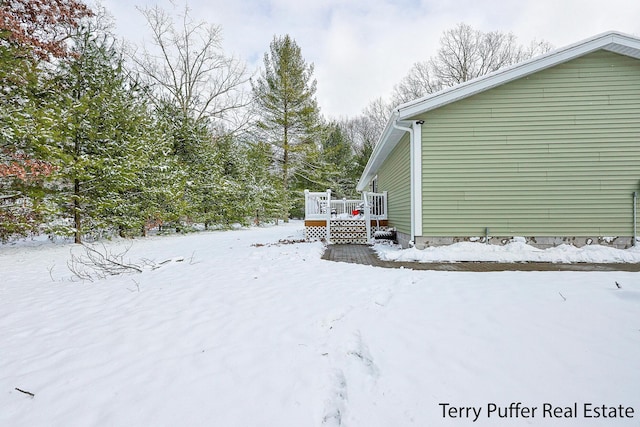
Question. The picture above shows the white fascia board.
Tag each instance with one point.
(612, 41)
(380, 152)
(625, 44)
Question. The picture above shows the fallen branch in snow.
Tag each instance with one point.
(137, 286)
(113, 262)
(618, 285)
(280, 242)
(26, 392)
(51, 272)
(291, 241)
(155, 265)
(98, 264)
(562, 296)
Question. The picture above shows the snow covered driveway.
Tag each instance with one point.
(245, 332)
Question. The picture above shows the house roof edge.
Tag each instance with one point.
(614, 41)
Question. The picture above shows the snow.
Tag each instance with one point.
(246, 331)
(348, 216)
(517, 250)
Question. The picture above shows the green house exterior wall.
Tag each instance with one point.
(395, 177)
(553, 154)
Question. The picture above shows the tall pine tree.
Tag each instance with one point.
(285, 98)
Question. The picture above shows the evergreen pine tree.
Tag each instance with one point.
(105, 146)
(263, 184)
(284, 95)
(338, 156)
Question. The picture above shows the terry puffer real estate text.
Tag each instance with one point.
(546, 410)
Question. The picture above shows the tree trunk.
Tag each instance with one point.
(285, 166)
(77, 220)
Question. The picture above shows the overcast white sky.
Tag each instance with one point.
(362, 48)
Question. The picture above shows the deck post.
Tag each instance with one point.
(384, 198)
(306, 203)
(328, 216)
(367, 215)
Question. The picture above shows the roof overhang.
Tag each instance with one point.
(616, 42)
(392, 136)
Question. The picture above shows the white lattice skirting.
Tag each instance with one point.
(314, 233)
(340, 234)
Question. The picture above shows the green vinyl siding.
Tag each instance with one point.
(395, 177)
(553, 154)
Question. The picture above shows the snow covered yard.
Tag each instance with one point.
(245, 332)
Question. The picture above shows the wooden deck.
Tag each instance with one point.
(344, 221)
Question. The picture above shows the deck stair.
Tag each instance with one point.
(348, 231)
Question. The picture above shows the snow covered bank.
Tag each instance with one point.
(246, 331)
(515, 251)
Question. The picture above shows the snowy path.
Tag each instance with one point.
(246, 335)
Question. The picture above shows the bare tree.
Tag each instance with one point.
(418, 82)
(534, 48)
(361, 132)
(188, 68)
(378, 112)
(464, 54)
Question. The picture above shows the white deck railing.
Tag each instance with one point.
(377, 203)
(320, 206)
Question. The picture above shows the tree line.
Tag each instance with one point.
(98, 139)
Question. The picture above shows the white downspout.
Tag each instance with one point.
(412, 162)
(417, 177)
(367, 216)
(635, 211)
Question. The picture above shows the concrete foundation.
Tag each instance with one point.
(403, 239)
(536, 241)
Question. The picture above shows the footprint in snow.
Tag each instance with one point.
(360, 352)
(335, 405)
